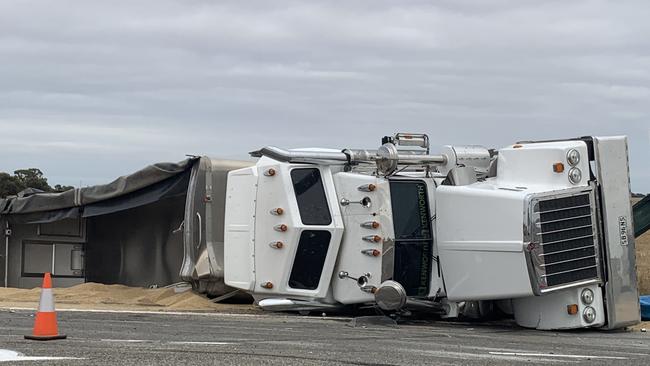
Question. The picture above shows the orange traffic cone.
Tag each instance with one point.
(45, 327)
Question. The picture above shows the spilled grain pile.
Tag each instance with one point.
(118, 297)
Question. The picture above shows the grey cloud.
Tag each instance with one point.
(91, 90)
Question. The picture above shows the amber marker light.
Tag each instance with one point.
(270, 172)
(558, 167)
(277, 211)
(372, 238)
(370, 225)
(267, 285)
(572, 309)
(281, 228)
(371, 252)
(276, 245)
(367, 187)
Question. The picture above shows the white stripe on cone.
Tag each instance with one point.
(47, 301)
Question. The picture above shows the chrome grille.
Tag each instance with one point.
(563, 240)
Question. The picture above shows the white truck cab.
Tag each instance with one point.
(539, 230)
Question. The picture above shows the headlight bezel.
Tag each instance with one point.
(589, 314)
(573, 157)
(572, 175)
(587, 296)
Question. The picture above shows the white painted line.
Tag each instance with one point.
(148, 312)
(203, 343)
(554, 355)
(7, 355)
(490, 357)
(207, 314)
(28, 358)
(206, 343)
(127, 340)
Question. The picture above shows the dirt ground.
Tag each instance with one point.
(117, 297)
(640, 326)
(643, 263)
(643, 258)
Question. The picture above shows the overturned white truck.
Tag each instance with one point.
(539, 230)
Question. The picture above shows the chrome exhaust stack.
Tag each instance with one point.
(288, 156)
(387, 158)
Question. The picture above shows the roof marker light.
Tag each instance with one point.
(281, 228)
(277, 211)
(370, 225)
(373, 238)
(367, 187)
(558, 167)
(276, 245)
(371, 252)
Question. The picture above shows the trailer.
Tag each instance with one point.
(131, 231)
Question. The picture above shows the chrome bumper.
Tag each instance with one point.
(612, 172)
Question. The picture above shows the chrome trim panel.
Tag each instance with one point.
(612, 172)
(275, 304)
(388, 259)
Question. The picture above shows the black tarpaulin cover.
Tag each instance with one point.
(140, 188)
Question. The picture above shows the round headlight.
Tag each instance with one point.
(587, 296)
(589, 315)
(575, 175)
(573, 157)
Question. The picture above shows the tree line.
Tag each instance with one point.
(11, 185)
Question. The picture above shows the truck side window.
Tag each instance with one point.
(310, 194)
(310, 259)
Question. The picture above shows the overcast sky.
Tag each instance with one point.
(90, 90)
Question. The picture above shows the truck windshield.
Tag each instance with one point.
(310, 194)
(310, 259)
(413, 236)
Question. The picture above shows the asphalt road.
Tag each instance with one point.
(194, 339)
